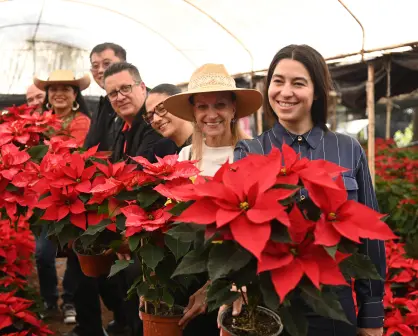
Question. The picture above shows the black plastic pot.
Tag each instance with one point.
(228, 312)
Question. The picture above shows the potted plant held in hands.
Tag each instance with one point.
(147, 218)
(75, 204)
(287, 254)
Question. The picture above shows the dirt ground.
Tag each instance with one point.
(56, 323)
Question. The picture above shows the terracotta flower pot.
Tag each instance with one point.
(274, 318)
(94, 265)
(161, 325)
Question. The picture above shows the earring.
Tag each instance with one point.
(233, 121)
(48, 106)
(76, 106)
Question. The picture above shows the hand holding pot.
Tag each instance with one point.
(236, 305)
(141, 304)
(370, 332)
(123, 252)
(197, 306)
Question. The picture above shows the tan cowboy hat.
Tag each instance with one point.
(213, 78)
(63, 77)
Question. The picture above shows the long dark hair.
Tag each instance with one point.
(319, 73)
(79, 99)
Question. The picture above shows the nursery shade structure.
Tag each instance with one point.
(168, 39)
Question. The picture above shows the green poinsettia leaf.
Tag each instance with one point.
(167, 297)
(133, 242)
(270, 297)
(193, 262)
(120, 222)
(142, 289)
(127, 195)
(219, 293)
(294, 321)
(94, 229)
(279, 233)
(147, 197)
(359, 266)
(176, 246)
(151, 255)
(226, 258)
(179, 208)
(323, 303)
(38, 152)
(331, 250)
(185, 232)
(118, 266)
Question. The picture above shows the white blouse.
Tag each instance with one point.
(212, 158)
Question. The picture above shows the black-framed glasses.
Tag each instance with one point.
(159, 110)
(124, 91)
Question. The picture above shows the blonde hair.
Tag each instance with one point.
(198, 139)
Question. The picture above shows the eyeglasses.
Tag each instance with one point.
(159, 110)
(124, 91)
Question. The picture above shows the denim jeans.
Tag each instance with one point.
(45, 255)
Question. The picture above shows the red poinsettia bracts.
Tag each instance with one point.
(14, 308)
(137, 219)
(290, 169)
(18, 131)
(62, 203)
(168, 168)
(395, 323)
(345, 218)
(241, 204)
(300, 226)
(180, 189)
(288, 263)
(76, 176)
(31, 178)
(11, 160)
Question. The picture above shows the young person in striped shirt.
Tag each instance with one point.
(296, 100)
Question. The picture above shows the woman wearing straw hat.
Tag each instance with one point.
(214, 104)
(63, 96)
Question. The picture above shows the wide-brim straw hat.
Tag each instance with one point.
(213, 78)
(62, 77)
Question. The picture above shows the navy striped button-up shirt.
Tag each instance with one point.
(347, 152)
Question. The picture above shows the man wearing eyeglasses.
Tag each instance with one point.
(103, 131)
(105, 122)
(127, 93)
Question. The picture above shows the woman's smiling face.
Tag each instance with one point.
(291, 91)
(214, 112)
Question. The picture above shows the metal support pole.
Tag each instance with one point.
(370, 113)
(388, 99)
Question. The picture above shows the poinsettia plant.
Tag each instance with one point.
(397, 191)
(77, 190)
(21, 131)
(146, 219)
(260, 233)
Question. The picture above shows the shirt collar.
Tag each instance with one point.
(312, 137)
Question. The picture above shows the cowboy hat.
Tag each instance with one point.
(213, 78)
(63, 77)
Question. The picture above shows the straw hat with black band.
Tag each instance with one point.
(62, 77)
(213, 78)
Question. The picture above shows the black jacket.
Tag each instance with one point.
(138, 140)
(104, 127)
(167, 147)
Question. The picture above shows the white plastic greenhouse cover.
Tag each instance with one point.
(168, 39)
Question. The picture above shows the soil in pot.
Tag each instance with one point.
(94, 260)
(164, 322)
(267, 323)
